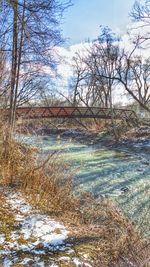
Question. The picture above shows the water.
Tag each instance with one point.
(122, 175)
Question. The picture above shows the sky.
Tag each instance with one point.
(81, 25)
(82, 20)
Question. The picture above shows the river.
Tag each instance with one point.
(118, 172)
(121, 174)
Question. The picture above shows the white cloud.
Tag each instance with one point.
(65, 69)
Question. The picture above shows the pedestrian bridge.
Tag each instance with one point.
(71, 112)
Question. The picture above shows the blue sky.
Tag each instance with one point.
(83, 19)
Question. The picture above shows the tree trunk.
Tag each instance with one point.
(18, 65)
(14, 62)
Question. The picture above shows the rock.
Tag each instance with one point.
(27, 261)
(145, 163)
(124, 189)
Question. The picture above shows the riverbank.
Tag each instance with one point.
(97, 232)
(105, 169)
(137, 138)
(36, 239)
(91, 132)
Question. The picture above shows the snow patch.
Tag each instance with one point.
(44, 232)
(40, 235)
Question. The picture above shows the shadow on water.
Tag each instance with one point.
(104, 171)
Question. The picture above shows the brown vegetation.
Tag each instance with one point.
(97, 228)
(6, 219)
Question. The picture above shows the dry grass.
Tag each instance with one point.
(7, 219)
(47, 182)
(98, 229)
(112, 240)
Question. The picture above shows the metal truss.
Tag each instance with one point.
(71, 112)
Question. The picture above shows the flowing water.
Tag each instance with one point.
(120, 174)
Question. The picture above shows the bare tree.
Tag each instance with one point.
(141, 14)
(78, 83)
(32, 30)
(128, 70)
(31, 86)
(94, 72)
(133, 73)
(4, 78)
(139, 79)
(102, 62)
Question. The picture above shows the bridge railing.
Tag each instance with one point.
(71, 112)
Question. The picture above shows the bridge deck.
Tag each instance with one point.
(71, 112)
